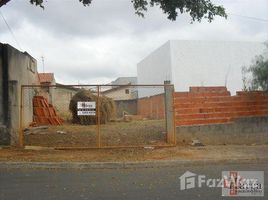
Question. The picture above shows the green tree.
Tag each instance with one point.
(197, 9)
(258, 71)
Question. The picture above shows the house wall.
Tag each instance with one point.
(61, 100)
(154, 69)
(120, 94)
(211, 63)
(197, 63)
(20, 69)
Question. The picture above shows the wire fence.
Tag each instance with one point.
(96, 116)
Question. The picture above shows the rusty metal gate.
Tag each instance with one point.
(96, 116)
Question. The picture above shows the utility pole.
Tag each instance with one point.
(43, 62)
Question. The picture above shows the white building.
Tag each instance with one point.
(198, 63)
(123, 88)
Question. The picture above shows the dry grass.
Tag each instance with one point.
(106, 108)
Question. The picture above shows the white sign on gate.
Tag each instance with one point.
(86, 105)
(86, 108)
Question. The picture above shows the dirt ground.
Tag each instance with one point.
(115, 133)
(223, 152)
(112, 134)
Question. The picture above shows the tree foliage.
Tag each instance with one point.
(259, 74)
(197, 9)
(259, 71)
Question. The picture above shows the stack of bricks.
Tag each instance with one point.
(44, 113)
(214, 105)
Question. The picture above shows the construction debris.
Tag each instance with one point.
(35, 130)
(38, 148)
(197, 143)
(148, 147)
(44, 113)
(61, 132)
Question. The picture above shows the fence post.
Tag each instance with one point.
(169, 112)
(98, 118)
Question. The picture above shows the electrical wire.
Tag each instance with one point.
(248, 17)
(10, 30)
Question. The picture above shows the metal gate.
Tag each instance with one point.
(96, 116)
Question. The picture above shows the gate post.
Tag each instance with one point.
(169, 113)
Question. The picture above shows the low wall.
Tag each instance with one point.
(214, 105)
(246, 130)
(152, 107)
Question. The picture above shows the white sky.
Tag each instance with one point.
(99, 43)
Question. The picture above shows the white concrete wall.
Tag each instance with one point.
(211, 63)
(155, 69)
(22, 70)
(198, 63)
(120, 94)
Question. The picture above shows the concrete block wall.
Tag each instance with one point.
(243, 130)
(215, 105)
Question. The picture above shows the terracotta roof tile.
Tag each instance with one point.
(46, 77)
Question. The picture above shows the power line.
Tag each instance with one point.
(10, 30)
(248, 17)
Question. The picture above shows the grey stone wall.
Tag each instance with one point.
(246, 130)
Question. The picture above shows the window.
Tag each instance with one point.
(127, 91)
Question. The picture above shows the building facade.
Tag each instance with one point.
(198, 63)
(16, 68)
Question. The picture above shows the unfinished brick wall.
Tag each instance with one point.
(152, 107)
(213, 105)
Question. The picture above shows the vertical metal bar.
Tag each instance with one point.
(21, 135)
(98, 117)
(166, 112)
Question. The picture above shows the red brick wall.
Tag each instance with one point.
(211, 105)
(152, 107)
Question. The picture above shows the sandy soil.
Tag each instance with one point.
(137, 154)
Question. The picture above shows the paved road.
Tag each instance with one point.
(140, 183)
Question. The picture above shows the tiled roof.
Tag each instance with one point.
(46, 77)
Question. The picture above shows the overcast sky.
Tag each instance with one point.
(99, 43)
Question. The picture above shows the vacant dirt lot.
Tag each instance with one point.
(150, 132)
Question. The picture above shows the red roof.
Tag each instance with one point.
(46, 77)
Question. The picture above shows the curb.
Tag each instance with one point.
(123, 165)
